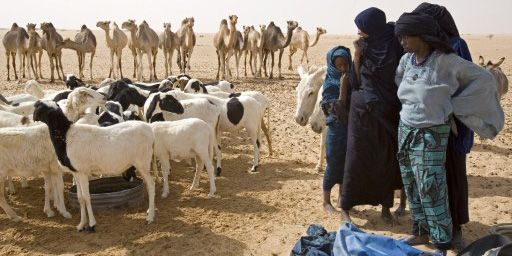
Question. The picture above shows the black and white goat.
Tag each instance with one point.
(235, 113)
(83, 150)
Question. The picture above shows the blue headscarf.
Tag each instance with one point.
(331, 86)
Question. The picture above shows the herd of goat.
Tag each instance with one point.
(100, 130)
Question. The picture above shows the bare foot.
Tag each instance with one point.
(400, 211)
(387, 217)
(416, 240)
(346, 216)
(328, 208)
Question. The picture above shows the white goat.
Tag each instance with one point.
(83, 149)
(309, 96)
(184, 139)
(164, 107)
(27, 152)
(35, 89)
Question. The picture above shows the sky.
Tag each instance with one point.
(337, 16)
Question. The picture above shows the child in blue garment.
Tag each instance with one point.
(338, 63)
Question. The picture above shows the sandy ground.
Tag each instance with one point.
(260, 214)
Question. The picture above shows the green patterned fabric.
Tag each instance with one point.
(422, 155)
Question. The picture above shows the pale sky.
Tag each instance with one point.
(471, 16)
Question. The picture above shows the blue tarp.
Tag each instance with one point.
(352, 241)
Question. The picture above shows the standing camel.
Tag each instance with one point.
(300, 40)
(187, 39)
(145, 41)
(85, 42)
(237, 50)
(251, 46)
(116, 41)
(130, 25)
(10, 45)
(224, 41)
(169, 42)
(52, 43)
(273, 40)
(34, 47)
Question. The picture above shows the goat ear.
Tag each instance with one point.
(481, 60)
(497, 64)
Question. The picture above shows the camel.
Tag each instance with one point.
(129, 25)
(116, 41)
(34, 47)
(237, 50)
(224, 41)
(187, 39)
(11, 44)
(85, 42)
(52, 43)
(300, 40)
(251, 46)
(169, 42)
(273, 40)
(145, 41)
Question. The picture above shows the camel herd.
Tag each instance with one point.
(27, 45)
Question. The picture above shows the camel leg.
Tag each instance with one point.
(140, 66)
(272, 66)
(150, 63)
(79, 65)
(33, 61)
(237, 59)
(13, 56)
(7, 55)
(90, 64)
(223, 64)
(189, 55)
(119, 57)
(39, 64)
(22, 64)
(154, 65)
(134, 64)
(112, 71)
(171, 53)
(227, 63)
(290, 54)
(166, 63)
(52, 67)
(59, 58)
(281, 51)
(245, 63)
(184, 60)
(218, 64)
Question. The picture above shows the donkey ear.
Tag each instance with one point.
(302, 71)
(481, 60)
(497, 64)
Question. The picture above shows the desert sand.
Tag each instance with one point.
(251, 214)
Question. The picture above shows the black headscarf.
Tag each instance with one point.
(424, 26)
(441, 15)
(380, 57)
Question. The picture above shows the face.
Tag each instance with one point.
(341, 64)
(411, 43)
(362, 34)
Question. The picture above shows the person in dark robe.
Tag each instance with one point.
(459, 143)
(371, 169)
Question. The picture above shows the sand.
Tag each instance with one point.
(251, 214)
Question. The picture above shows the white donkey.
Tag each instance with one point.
(309, 95)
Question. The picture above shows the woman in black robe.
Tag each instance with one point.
(371, 167)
